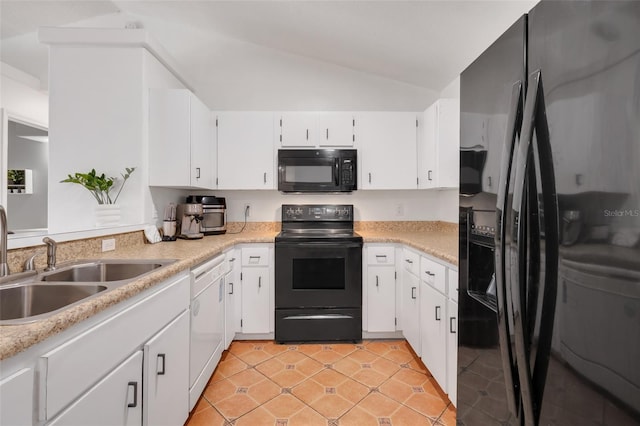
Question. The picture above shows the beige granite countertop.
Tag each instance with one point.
(438, 239)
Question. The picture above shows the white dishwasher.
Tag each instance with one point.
(207, 324)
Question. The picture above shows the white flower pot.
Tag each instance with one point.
(107, 215)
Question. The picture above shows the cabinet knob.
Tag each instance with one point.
(377, 281)
(429, 175)
(413, 292)
(369, 177)
(264, 177)
(259, 282)
(452, 321)
(438, 318)
(197, 172)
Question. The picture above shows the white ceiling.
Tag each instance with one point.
(419, 44)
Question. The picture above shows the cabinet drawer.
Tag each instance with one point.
(255, 256)
(433, 274)
(411, 262)
(381, 255)
(72, 368)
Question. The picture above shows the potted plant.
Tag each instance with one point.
(101, 187)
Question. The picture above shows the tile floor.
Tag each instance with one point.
(376, 383)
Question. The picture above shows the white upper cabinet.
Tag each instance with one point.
(336, 128)
(298, 129)
(245, 150)
(181, 140)
(387, 150)
(439, 146)
(315, 129)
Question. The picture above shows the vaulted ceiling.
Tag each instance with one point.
(419, 44)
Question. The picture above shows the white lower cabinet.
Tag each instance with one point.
(433, 323)
(232, 303)
(257, 292)
(16, 398)
(379, 295)
(381, 299)
(411, 310)
(452, 336)
(255, 300)
(115, 400)
(166, 375)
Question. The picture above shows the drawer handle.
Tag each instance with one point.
(413, 292)
(381, 256)
(377, 281)
(163, 371)
(409, 261)
(135, 395)
(438, 313)
(452, 321)
(430, 273)
(231, 286)
(254, 259)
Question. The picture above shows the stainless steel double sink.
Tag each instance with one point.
(39, 296)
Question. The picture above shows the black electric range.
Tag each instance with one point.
(318, 269)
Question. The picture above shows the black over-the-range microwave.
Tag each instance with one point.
(317, 170)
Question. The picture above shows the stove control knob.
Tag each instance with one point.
(298, 210)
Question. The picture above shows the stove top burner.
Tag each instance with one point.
(315, 222)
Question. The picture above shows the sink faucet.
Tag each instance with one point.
(51, 253)
(4, 266)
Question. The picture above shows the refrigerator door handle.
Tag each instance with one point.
(532, 157)
(503, 293)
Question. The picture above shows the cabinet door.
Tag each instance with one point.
(381, 300)
(16, 398)
(439, 145)
(203, 149)
(166, 374)
(231, 288)
(411, 310)
(115, 400)
(448, 143)
(245, 150)
(452, 351)
(387, 150)
(433, 322)
(298, 129)
(255, 300)
(169, 138)
(336, 129)
(427, 164)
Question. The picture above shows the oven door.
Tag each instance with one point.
(318, 274)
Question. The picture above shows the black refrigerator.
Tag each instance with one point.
(549, 267)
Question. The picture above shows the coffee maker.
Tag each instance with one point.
(189, 217)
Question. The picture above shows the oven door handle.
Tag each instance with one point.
(318, 317)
